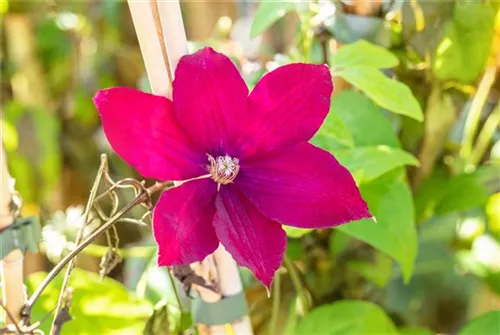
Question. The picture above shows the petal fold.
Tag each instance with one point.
(287, 107)
(143, 131)
(182, 223)
(302, 186)
(210, 99)
(253, 241)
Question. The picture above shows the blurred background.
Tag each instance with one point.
(415, 118)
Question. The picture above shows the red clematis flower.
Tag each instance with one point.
(257, 169)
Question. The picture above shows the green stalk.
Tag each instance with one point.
(472, 121)
(485, 136)
(178, 300)
(297, 284)
(276, 304)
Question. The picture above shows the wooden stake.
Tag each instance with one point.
(162, 38)
(12, 265)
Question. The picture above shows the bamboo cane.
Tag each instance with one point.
(12, 265)
(162, 38)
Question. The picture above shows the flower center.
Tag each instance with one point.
(223, 168)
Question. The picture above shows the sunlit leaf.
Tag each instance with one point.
(98, 307)
(374, 161)
(488, 323)
(384, 91)
(462, 53)
(4, 6)
(268, 13)
(414, 331)
(333, 134)
(363, 53)
(493, 213)
(294, 232)
(364, 120)
(348, 317)
(9, 135)
(394, 232)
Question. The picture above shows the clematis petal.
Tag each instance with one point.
(253, 241)
(210, 99)
(182, 223)
(287, 107)
(143, 131)
(302, 186)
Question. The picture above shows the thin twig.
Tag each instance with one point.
(11, 317)
(141, 198)
(86, 215)
(161, 38)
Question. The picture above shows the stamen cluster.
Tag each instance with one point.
(223, 169)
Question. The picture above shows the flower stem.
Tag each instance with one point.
(485, 136)
(297, 284)
(276, 304)
(472, 121)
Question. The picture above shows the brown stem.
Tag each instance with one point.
(161, 38)
(11, 317)
(79, 238)
(141, 198)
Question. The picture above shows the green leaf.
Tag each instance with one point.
(158, 322)
(442, 194)
(333, 134)
(347, 317)
(384, 91)
(363, 53)
(414, 331)
(364, 119)
(440, 116)
(422, 25)
(338, 242)
(394, 232)
(268, 13)
(10, 136)
(374, 161)
(462, 192)
(4, 6)
(294, 232)
(485, 324)
(462, 53)
(39, 149)
(98, 307)
(379, 272)
(156, 285)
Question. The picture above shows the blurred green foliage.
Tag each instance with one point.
(406, 76)
(99, 307)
